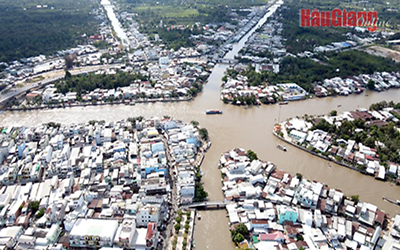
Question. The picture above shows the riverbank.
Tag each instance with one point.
(349, 139)
(273, 209)
(247, 84)
(71, 105)
(315, 154)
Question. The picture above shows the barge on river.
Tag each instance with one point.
(213, 112)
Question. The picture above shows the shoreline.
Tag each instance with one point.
(327, 158)
(275, 191)
(187, 99)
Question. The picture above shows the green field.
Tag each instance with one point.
(186, 12)
(168, 11)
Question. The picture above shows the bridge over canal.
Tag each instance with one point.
(206, 205)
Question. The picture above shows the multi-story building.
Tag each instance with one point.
(93, 233)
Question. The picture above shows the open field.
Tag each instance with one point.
(385, 52)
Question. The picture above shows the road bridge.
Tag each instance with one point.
(207, 205)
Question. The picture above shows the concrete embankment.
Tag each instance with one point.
(318, 155)
(97, 104)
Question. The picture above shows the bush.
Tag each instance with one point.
(203, 134)
(238, 238)
(40, 213)
(34, 206)
(252, 156)
(355, 198)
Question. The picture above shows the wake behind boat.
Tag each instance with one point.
(213, 112)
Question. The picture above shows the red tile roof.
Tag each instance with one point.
(150, 230)
(272, 237)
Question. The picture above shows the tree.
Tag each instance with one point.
(370, 85)
(38, 99)
(195, 123)
(67, 74)
(252, 156)
(241, 229)
(177, 227)
(355, 198)
(199, 193)
(40, 213)
(203, 134)
(333, 113)
(34, 206)
(69, 62)
(238, 238)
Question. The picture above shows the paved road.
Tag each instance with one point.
(17, 91)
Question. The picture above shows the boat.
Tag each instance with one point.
(283, 148)
(132, 103)
(329, 165)
(193, 244)
(283, 103)
(199, 217)
(396, 202)
(213, 112)
(339, 105)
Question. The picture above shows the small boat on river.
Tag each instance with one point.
(283, 148)
(396, 202)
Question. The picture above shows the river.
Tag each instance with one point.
(115, 22)
(249, 128)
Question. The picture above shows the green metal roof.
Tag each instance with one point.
(255, 239)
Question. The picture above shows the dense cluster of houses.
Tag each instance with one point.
(299, 131)
(170, 80)
(241, 21)
(267, 39)
(96, 184)
(233, 89)
(282, 211)
(357, 84)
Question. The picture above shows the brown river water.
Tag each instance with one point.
(248, 128)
